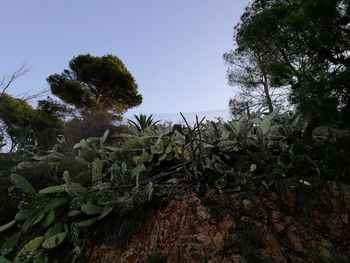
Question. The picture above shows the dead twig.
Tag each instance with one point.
(6, 81)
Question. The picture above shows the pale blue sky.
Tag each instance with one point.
(173, 48)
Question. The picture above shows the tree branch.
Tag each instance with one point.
(7, 81)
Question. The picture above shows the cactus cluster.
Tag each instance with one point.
(119, 179)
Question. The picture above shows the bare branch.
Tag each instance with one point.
(40, 94)
(6, 81)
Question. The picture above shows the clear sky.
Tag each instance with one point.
(173, 48)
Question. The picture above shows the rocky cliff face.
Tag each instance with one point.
(290, 221)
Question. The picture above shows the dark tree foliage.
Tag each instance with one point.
(25, 125)
(90, 125)
(53, 108)
(239, 107)
(308, 45)
(93, 83)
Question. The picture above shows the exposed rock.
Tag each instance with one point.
(267, 226)
(104, 253)
(184, 231)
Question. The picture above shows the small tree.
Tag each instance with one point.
(25, 125)
(248, 70)
(21, 124)
(96, 83)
